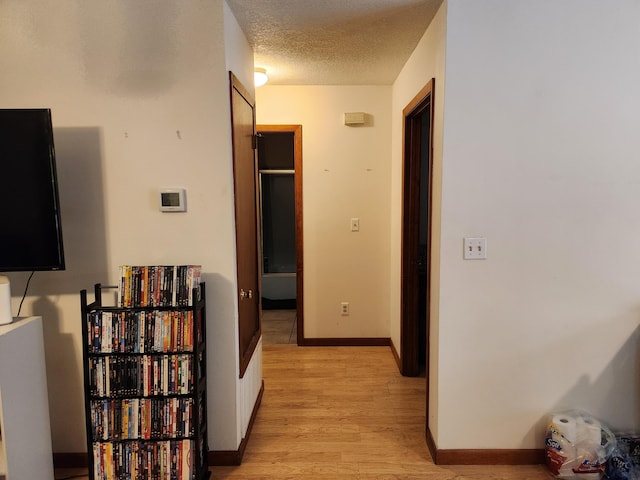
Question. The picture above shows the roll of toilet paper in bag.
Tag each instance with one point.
(578, 445)
(564, 428)
(589, 439)
(589, 448)
(561, 449)
(588, 430)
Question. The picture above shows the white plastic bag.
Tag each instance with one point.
(577, 445)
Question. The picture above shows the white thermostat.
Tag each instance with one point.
(173, 200)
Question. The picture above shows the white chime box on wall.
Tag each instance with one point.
(354, 118)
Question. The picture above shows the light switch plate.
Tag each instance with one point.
(475, 248)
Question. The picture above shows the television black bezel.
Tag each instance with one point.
(54, 205)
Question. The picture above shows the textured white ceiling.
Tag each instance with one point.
(333, 42)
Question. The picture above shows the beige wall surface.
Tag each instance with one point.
(236, 394)
(139, 98)
(427, 62)
(345, 175)
(540, 156)
(537, 153)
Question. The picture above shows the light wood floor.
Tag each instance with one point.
(345, 413)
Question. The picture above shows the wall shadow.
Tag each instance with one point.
(64, 372)
(613, 395)
(80, 183)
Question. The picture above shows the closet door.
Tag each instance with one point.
(246, 208)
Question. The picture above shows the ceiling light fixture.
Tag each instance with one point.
(260, 76)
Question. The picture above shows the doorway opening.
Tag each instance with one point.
(280, 199)
(416, 232)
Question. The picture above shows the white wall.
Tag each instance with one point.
(541, 158)
(345, 175)
(140, 100)
(239, 58)
(426, 62)
(538, 154)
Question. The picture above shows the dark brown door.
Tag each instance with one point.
(245, 175)
(416, 231)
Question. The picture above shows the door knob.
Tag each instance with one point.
(248, 294)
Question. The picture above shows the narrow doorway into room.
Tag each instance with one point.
(416, 232)
(280, 202)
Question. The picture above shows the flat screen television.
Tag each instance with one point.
(30, 225)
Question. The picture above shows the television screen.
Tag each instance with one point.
(30, 228)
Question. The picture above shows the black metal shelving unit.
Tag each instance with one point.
(145, 389)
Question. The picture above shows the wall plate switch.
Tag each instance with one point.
(355, 224)
(475, 248)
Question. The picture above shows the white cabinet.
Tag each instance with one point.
(25, 447)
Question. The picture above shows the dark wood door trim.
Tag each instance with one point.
(297, 165)
(413, 113)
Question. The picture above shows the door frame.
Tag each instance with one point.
(297, 167)
(412, 148)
